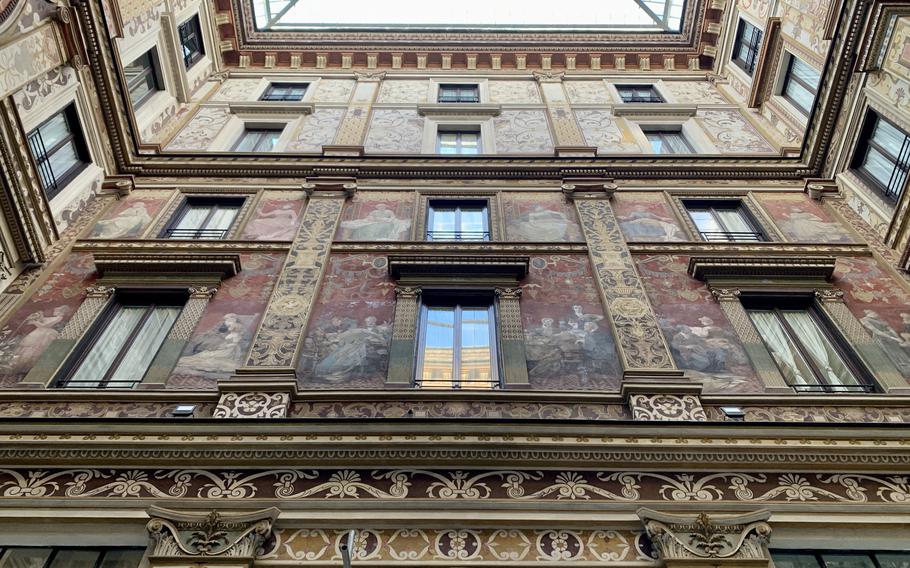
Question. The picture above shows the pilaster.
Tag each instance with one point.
(353, 128)
(568, 135)
(402, 351)
(511, 337)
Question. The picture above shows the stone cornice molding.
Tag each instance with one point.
(766, 249)
(269, 108)
(655, 112)
(458, 266)
(219, 265)
(465, 110)
(169, 246)
(486, 248)
(705, 268)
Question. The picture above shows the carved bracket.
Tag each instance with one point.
(680, 539)
(189, 536)
(573, 188)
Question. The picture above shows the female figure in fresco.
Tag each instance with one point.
(127, 224)
(38, 339)
(350, 350)
(279, 223)
(380, 224)
(218, 350)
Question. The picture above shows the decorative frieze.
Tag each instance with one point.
(253, 405)
(667, 407)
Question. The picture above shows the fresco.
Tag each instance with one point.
(347, 342)
(803, 220)
(700, 336)
(383, 216)
(882, 307)
(276, 217)
(227, 326)
(539, 217)
(646, 217)
(39, 322)
(568, 341)
(131, 216)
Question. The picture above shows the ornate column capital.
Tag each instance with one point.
(508, 293)
(726, 294)
(549, 76)
(99, 291)
(829, 295)
(327, 186)
(202, 292)
(574, 188)
(407, 292)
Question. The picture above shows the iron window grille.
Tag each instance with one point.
(458, 220)
(800, 85)
(746, 47)
(191, 41)
(59, 150)
(287, 92)
(449, 93)
(639, 94)
(725, 221)
(204, 218)
(882, 156)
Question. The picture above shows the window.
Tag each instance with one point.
(800, 84)
(59, 150)
(458, 94)
(639, 94)
(458, 220)
(668, 142)
(746, 46)
(191, 41)
(142, 79)
(71, 557)
(809, 352)
(257, 140)
(839, 559)
(457, 348)
(204, 218)
(288, 92)
(726, 220)
(463, 142)
(121, 345)
(883, 155)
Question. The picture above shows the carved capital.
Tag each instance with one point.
(202, 292)
(549, 76)
(99, 291)
(314, 186)
(407, 292)
(121, 185)
(369, 75)
(819, 188)
(829, 295)
(508, 293)
(726, 294)
(683, 538)
(189, 536)
(574, 188)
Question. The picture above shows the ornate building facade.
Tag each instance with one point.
(575, 288)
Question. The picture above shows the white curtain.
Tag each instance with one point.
(788, 359)
(222, 218)
(192, 219)
(144, 347)
(820, 349)
(102, 354)
(733, 221)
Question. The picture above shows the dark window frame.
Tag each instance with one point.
(460, 299)
(820, 553)
(149, 298)
(259, 131)
(458, 234)
(752, 45)
(462, 93)
(169, 231)
(152, 72)
(51, 183)
(780, 301)
(790, 77)
(661, 132)
(190, 31)
(627, 97)
(273, 92)
(757, 234)
(894, 189)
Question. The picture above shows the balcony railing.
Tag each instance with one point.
(642, 99)
(459, 98)
(489, 384)
(833, 388)
(458, 235)
(95, 384)
(211, 234)
(732, 236)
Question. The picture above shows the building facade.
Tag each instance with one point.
(618, 285)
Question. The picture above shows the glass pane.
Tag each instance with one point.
(64, 160)
(473, 224)
(25, 558)
(476, 357)
(190, 222)
(820, 349)
(470, 143)
(144, 347)
(676, 142)
(804, 72)
(794, 560)
(438, 348)
(221, 221)
(848, 561)
(785, 354)
(706, 222)
(267, 141)
(893, 560)
(734, 221)
(75, 559)
(54, 130)
(889, 137)
(247, 141)
(657, 143)
(799, 95)
(442, 223)
(878, 166)
(121, 559)
(447, 142)
(105, 349)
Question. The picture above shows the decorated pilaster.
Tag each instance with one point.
(569, 139)
(404, 336)
(353, 128)
(511, 338)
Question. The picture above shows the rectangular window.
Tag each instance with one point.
(59, 150)
(800, 84)
(34, 557)
(668, 142)
(639, 94)
(121, 345)
(457, 347)
(204, 218)
(288, 92)
(462, 142)
(458, 94)
(747, 46)
(809, 352)
(840, 559)
(257, 140)
(882, 155)
(191, 41)
(458, 220)
(725, 220)
(142, 77)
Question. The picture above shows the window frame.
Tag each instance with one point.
(259, 130)
(51, 184)
(712, 205)
(776, 302)
(153, 71)
(191, 29)
(664, 131)
(266, 95)
(458, 205)
(790, 77)
(458, 88)
(149, 298)
(458, 299)
(190, 200)
(820, 553)
(459, 130)
(655, 97)
(749, 64)
(900, 162)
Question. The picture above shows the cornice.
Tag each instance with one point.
(459, 248)
(776, 249)
(151, 246)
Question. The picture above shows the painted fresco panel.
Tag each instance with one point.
(880, 304)
(804, 21)
(39, 322)
(384, 216)
(610, 134)
(522, 132)
(276, 217)
(514, 92)
(202, 129)
(395, 131)
(347, 343)
(539, 217)
(694, 92)
(803, 220)
(316, 130)
(731, 133)
(132, 215)
(646, 217)
(568, 340)
(700, 336)
(223, 334)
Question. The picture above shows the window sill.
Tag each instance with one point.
(667, 111)
(272, 108)
(459, 109)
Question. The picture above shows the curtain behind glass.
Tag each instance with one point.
(193, 218)
(438, 348)
(847, 561)
(102, 354)
(823, 354)
(222, 219)
(144, 347)
(476, 353)
(791, 364)
(733, 220)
